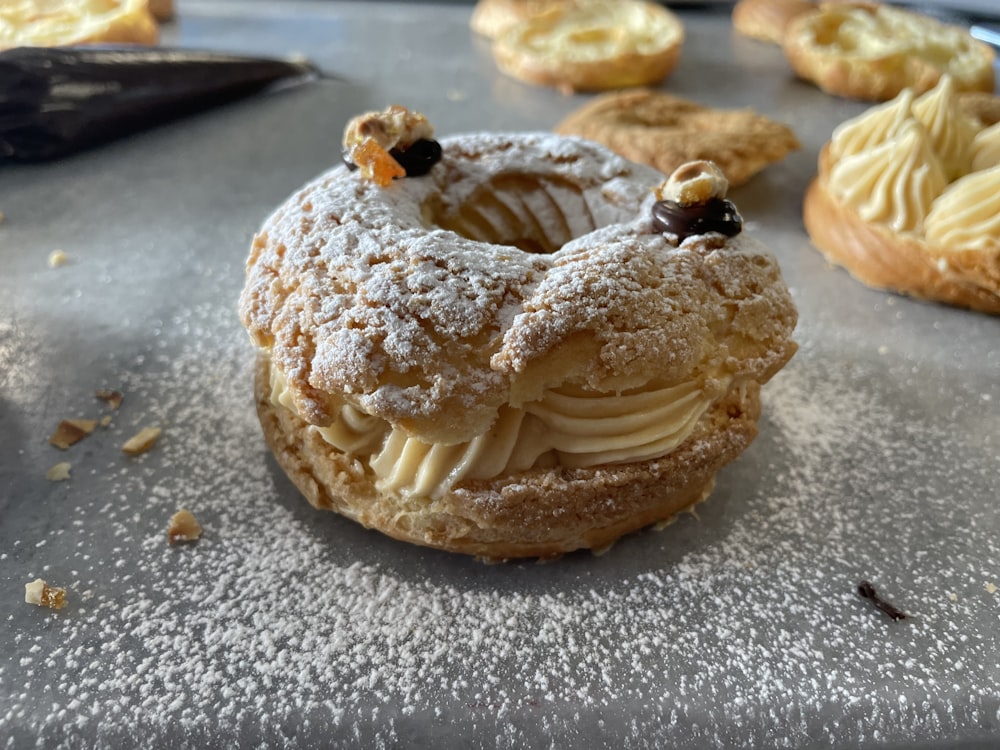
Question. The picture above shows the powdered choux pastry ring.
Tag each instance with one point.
(518, 350)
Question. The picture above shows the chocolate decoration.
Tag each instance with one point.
(717, 215)
(417, 159)
(867, 591)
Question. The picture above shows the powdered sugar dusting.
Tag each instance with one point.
(296, 628)
(346, 281)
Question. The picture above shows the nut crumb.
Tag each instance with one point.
(105, 420)
(112, 398)
(71, 431)
(57, 258)
(59, 472)
(184, 527)
(142, 441)
(952, 596)
(38, 592)
(991, 588)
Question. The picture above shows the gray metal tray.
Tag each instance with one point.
(284, 626)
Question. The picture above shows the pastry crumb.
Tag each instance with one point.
(142, 441)
(105, 420)
(71, 431)
(184, 527)
(952, 596)
(991, 588)
(112, 398)
(39, 593)
(58, 258)
(59, 472)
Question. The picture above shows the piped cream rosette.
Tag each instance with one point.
(908, 199)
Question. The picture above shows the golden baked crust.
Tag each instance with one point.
(766, 20)
(541, 513)
(881, 258)
(593, 45)
(871, 51)
(664, 131)
(43, 23)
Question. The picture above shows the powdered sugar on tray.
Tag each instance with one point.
(284, 626)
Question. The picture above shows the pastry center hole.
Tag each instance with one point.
(533, 214)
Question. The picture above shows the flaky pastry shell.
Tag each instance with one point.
(872, 51)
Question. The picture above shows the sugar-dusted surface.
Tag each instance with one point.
(293, 625)
(877, 460)
(357, 298)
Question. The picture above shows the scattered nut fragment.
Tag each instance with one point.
(991, 588)
(105, 420)
(184, 527)
(112, 398)
(38, 592)
(693, 183)
(142, 441)
(57, 258)
(59, 472)
(71, 431)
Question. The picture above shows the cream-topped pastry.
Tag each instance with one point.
(873, 50)
(903, 200)
(592, 45)
(516, 350)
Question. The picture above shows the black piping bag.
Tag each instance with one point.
(55, 101)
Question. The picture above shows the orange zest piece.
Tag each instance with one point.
(376, 163)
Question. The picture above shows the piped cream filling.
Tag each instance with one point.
(902, 163)
(893, 183)
(568, 427)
